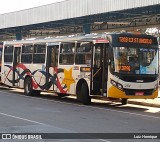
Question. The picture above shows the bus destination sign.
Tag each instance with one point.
(139, 40)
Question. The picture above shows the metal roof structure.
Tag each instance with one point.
(73, 16)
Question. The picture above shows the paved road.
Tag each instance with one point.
(23, 114)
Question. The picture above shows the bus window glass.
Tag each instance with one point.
(53, 57)
(8, 53)
(67, 53)
(135, 60)
(83, 53)
(67, 47)
(39, 53)
(27, 51)
(98, 55)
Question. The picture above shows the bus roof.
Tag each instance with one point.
(96, 38)
(88, 38)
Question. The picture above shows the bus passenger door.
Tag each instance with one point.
(51, 66)
(99, 67)
(16, 60)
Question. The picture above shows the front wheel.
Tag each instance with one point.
(124, 101)
(86, 99)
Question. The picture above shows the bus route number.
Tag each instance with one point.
(135, 40)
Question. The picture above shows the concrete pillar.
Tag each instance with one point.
(86, 28)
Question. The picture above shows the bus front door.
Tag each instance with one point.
(99, 72)
(16, 60)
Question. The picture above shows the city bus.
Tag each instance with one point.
(111, 65)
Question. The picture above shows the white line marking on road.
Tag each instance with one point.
(103, 140)
(21, 118)
(119, 111)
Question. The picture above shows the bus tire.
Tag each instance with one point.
(36, 92)
(124, 101)
(61, 95)
(78, 95)
(28, 89)
(85, 98)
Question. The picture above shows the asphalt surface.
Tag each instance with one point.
(50, 114)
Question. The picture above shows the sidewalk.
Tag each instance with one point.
(146, 102)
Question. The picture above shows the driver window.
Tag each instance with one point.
(83, 53)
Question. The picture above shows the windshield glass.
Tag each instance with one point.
(135, 60)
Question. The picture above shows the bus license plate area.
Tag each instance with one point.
(139, 93)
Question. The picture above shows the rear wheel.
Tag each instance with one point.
(85, 98)
(28, 87)
(124, 101)
(61, 95)
(36, 92)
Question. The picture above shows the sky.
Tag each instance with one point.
(16, 5)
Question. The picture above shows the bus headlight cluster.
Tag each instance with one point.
(116, 84)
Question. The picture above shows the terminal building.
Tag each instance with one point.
(80, 16)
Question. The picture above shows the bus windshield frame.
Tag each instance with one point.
(135, 60)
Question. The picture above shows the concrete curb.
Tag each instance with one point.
(143, 103)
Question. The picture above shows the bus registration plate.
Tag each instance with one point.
(139, 93)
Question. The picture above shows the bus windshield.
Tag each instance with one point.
(133, 60)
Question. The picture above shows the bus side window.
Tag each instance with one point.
(87, 58)
(8, 54)
(67, 53)
(52, 58)
(98, 54)
(27, 54)
(39, 53)
(53, 61)
(83, 53)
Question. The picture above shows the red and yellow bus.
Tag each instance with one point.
(86, 66)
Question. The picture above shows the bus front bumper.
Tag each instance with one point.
(114, 92)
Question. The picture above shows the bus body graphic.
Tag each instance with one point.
(123, 66)
(36, 85)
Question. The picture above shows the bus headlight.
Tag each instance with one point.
(116, 84)
(113, 82)
(119, 86)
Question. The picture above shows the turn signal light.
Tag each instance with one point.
(85, 69)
